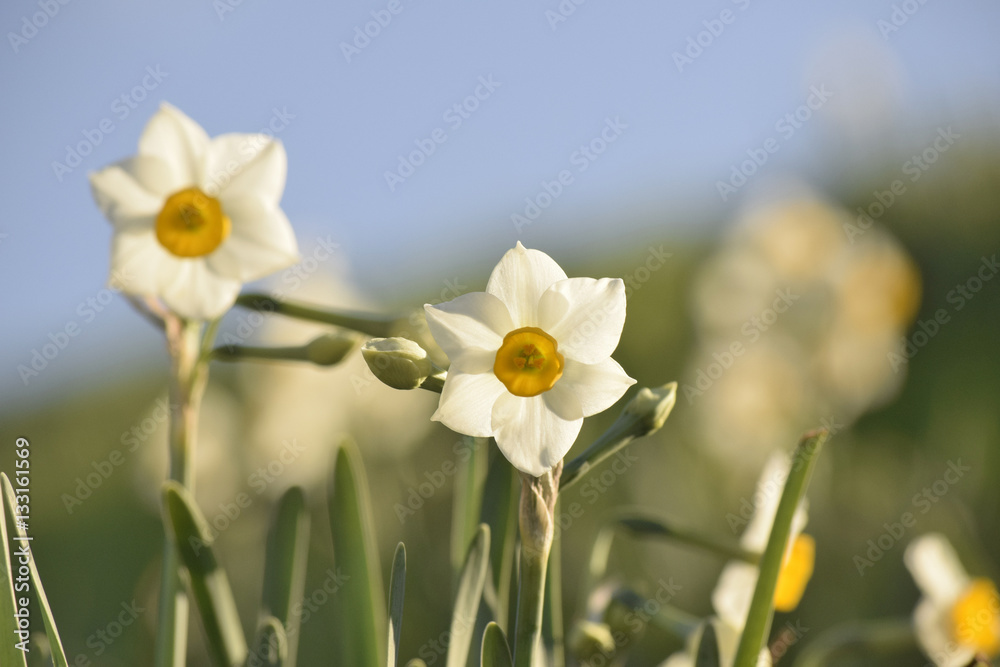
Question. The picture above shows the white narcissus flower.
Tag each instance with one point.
(194, 218)
(734, 591)
(957, 616)
(530, 357)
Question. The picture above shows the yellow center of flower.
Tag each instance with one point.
(976, 617)
(191, 224)
(527, 362)
(796, 570)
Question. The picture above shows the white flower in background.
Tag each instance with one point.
(734, 591)
(530, 357)
(194, 218)
(957, 616)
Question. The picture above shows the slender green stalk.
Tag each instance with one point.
(530, 599)
(761, 611)
(378, 326)
(188, 377)
(537, 522)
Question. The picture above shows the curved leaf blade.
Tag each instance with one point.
(397, 589)
(285, 567)
(495, 652)
(191, 536)
(362, 600)
(470, 592)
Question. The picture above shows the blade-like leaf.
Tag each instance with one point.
(708, 648)
(552, 611)
(55, 644)
(470, 591)
(416, 662)
(270, 645)
(360, 606)
(496, 652)
(468, 498)
(397, 588)
(285, 567)
(209, 586)
(499, 512)
(762, 604)
(9, 653)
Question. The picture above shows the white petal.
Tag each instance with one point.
(586, 389)
(177, 140)
(936, 568)
(261, 241)
(932, 626)
(732, 594)
(467, 403)
(469, 325)
(196, 292)
(585, 316)
(138, 261)
(245, 164)
(530, 435)
(519, 281)
(122, 196)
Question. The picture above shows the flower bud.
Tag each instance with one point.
(397, 362)
(588, 640)
(330, 349)
(652, 406)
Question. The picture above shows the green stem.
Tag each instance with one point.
(553, 611)
(536, 518)
(530, 599)
(374, 325)
(878, 637)
(761, 611)
(187, 386)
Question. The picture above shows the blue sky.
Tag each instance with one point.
(554, 88)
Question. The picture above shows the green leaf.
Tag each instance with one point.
(55, 644)
(499, 512)
(470, 592)
(416, 662)
(495, 652)
(270, 645)
(209, 586)
(468, 499)
(397, 589)
(285, 567)
(360, 606)
(762, 604)
(9, 653)
(708, 648)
